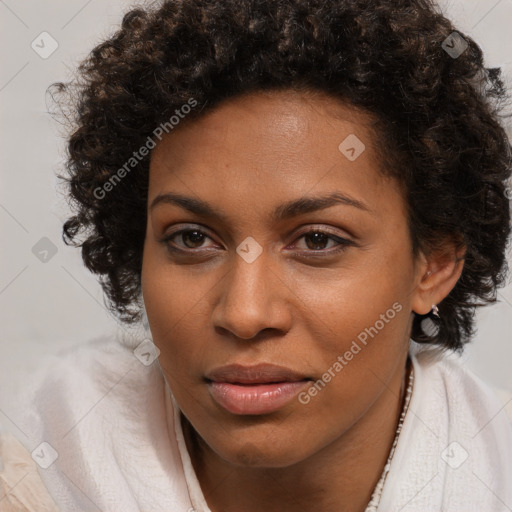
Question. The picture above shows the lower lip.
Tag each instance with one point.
(255, 398)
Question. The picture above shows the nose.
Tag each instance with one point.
(252, 297)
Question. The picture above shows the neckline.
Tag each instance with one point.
(374, 502)
(193, 486)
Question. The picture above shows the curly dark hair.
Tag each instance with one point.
(437, 115)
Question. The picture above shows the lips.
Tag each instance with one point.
(257, 374)
(258, 389)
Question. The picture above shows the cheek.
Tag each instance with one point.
(356, 359)
(363, 317)
(177, 307)
(372, 288)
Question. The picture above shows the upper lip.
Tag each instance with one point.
(256, 374)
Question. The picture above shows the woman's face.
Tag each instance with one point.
(268, 273)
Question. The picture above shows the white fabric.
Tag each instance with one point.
(21, 488)
(428, 472)
(120, 446)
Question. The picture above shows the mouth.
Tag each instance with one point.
(252, 390)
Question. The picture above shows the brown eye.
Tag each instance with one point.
(194, 237)
(317, 241)
(190, 238)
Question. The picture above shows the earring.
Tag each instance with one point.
(435, 310)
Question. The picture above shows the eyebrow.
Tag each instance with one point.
(284, 211)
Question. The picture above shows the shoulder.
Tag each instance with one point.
(461, 387)
(65, 386)
(84, 380)
(100, 408)
(455, 448)
(21, 488)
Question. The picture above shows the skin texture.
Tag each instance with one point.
(209, 307)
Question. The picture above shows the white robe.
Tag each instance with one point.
(116, 430)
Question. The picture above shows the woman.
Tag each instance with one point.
(308, 201)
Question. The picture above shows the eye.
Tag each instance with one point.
(192, 239)
(316, 240)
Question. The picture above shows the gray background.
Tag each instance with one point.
(46, 306)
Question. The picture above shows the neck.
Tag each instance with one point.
(342, 475)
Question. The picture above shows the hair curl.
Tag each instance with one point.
(439, 132)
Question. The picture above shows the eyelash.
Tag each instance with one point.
(343, 243)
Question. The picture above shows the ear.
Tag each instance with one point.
(436, 275)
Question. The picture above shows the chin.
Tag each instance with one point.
(253, 440)
(260, 451)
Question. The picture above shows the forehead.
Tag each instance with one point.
(267, 145)
(276, 116)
